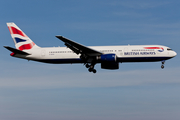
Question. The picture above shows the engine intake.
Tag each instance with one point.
(108, 61)
(107, 58)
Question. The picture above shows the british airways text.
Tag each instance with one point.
(139, 53)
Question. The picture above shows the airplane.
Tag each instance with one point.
(108, 56)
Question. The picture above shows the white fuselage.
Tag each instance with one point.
(108, 56)
(130, 53)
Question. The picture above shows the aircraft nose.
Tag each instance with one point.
(174, 53)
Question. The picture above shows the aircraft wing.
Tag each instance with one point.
(16, 51)
(78, 48)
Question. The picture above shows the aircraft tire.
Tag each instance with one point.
(94, 71)
(87, 66)
(90, 69)
(162, 66)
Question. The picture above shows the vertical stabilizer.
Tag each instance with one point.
(21, 40)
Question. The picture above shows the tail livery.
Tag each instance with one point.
(21, 40)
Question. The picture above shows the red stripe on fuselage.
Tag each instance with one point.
(26, 46)
(153, 48)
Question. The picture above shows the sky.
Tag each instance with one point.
(137, 91)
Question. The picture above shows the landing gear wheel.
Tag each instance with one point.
(94, 71)
(90, 69)
(90, 66)
(87, 66)
(162, 66)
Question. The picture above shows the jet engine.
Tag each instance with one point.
(108, 61)
(107, 58)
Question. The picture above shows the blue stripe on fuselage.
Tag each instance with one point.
(127, 59)
(142, 59)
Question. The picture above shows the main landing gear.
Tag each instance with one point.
(92, 62)
(91, 67)
(162, 66)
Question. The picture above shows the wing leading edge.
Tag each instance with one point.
(78, 48)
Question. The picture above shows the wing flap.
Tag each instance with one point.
(78, 48)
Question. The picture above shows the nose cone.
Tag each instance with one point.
(174, 53)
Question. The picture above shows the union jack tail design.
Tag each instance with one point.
(21, 40)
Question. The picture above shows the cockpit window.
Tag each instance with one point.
(169, 49)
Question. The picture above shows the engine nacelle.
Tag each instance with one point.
(110, 65)
(107, 58)
(108, 61)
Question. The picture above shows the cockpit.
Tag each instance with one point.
(169, 49)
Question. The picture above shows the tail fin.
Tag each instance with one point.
(21, 40)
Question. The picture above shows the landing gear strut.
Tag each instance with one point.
(162, 66)
(92, 62)
(91, 68)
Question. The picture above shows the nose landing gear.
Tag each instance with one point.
(162, 66)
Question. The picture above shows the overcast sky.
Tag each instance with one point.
(137, 91)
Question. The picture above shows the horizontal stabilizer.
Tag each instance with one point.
(16, 51)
